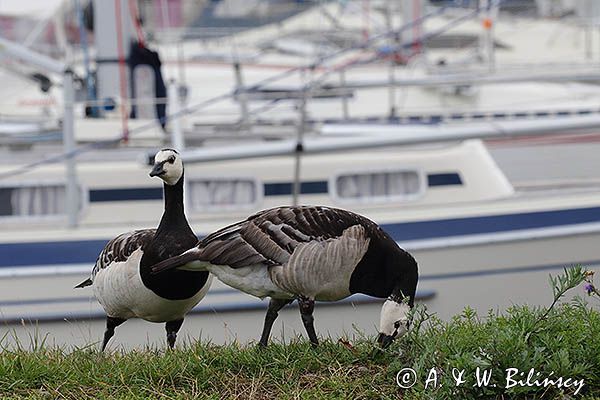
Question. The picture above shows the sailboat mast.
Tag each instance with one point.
(110, 48)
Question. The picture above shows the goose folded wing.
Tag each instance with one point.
(268, 237)
(120, 248)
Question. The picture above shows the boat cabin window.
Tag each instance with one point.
(33, 200)
(378, 186)
(222, 193)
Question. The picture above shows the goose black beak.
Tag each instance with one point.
(157, 170)
(384, 340)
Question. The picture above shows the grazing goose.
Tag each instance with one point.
(308, 253)
(122, 279)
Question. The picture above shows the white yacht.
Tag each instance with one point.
(481, 239)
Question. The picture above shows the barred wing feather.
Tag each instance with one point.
(270, 236)
(121, 247)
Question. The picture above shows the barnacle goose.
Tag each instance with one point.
(122, 280)
(308, 253)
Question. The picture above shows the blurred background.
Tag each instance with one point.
(468, 129)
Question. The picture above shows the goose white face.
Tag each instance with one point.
(393, 322)
(167, 166)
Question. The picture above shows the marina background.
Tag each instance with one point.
(468, 129)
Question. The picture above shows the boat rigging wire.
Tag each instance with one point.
(216, 99)
(122, 71)
(134, 13)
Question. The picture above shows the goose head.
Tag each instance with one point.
(393, 321)
(168, 166)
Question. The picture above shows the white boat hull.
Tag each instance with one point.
(484, 276)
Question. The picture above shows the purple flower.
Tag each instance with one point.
(589, 288)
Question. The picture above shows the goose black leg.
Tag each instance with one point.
(111, 324)
(172, 328)
(272, 312)
(306, 309)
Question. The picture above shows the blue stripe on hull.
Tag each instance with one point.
(286, 188)
(137, 194)
(490, 224)
(86, 251)
(51, 253)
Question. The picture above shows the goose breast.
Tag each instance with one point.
(120, 290)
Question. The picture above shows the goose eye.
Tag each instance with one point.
(397, 324)
(171, 159)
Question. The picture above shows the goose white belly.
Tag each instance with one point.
(262, 281)
(121, 292)
(254, 280)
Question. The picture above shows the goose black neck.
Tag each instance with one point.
(173, 237)
(406, 285)
(173, 215)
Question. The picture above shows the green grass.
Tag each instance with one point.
(564, 339)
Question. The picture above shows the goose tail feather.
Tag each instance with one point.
(87, 282)
(176, 261)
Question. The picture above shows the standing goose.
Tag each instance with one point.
(122, 279)
(308, 253)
